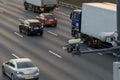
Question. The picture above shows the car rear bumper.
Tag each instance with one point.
(50, 23)
(36, 31)
(28, 77)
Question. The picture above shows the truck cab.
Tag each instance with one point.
(75, 17)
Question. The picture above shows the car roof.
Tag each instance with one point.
(77, 10)
(21, 60)
(32, 20)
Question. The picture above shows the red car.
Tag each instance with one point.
(48, 19)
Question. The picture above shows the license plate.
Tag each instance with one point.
(51, 20)
(28, 77)
(36, 28)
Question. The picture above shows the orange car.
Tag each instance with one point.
(48, 19)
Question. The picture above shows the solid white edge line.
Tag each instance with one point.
(18, 34)
(97, 53)
(52, 33)
(15, 55)
(55, 54)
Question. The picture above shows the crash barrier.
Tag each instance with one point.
(69, 5)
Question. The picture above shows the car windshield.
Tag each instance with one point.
(35, 24)
(49, 17)
(24, 65)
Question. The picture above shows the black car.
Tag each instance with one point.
(31, 26)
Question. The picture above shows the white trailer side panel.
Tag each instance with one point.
(35, 2)
(97, 18)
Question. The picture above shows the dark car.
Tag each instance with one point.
(48, 19)
(31, 26)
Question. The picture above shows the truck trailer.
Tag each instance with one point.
(95, 24)
(40, 5)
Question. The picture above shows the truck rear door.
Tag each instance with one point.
(50, 3)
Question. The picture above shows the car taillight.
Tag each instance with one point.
(45, 19)
(30, 27)
(57, 8)
(41, 27)
(55, 18)
(41, 9)
(95, 41)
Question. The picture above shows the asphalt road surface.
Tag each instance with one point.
(46, 51)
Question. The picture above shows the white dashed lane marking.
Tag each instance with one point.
(55, 54)
(18, 34)
(52, 33)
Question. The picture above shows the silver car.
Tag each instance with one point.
(20, 69)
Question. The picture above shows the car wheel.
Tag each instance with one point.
(55, 25)
(41, 33)
(20, 30)
(27, 33)
(12, 77)
(3, 71)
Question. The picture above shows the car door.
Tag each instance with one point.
(26, 25)
(10, 68)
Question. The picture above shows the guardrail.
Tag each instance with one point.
(69, 5)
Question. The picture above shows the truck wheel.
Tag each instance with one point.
(69, 49)
(26, 8)
(33, 9)
(76, 35)
(72, 33)
(90, 44)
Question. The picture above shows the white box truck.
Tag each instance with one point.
(96, 24)
(40, 5)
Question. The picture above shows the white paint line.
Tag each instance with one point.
(18, 34)
(55, 54)
(68, 15)
(92, 50)
(15, 56)
(100, 54)
(52, 33)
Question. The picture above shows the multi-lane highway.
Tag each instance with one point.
(46, 51)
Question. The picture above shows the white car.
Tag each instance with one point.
(20, 69)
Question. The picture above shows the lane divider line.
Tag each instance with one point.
(52, 33)
(18, 34)
(55, 54)
(97, 53)
(15, 55)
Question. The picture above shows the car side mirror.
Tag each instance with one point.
(6, 62)
(22, 23)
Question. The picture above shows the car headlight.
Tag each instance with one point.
(37, 71)
(19, 73)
